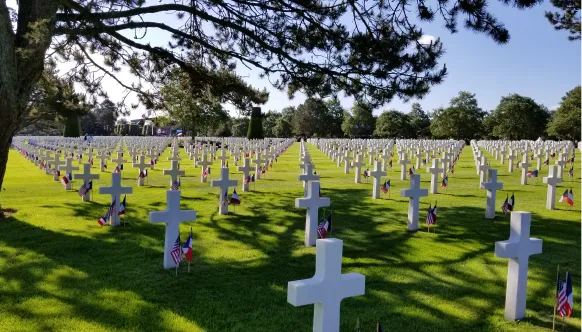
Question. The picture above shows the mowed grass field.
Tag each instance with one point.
(61, 271)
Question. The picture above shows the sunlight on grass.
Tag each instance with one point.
(60, 271)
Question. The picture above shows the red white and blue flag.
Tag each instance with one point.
(567, 197)
(85, 188)
(431, 217)
(175, 185)
(187, 247)
(234, 199)
(445, 182)
(103, 220)
(122, 207)
(324, 227)
(565, 298)
(176, 252)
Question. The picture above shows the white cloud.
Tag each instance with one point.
(426, 39)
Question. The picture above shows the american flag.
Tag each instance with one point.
(547, 162)
(567, 197)
(385, 187)
(103, 220)
(411, 170)
(85, 188)
(324, 227)
(225, 199)
(533, 174)
(366, 175)
(175, 185)
(431, 217)
(390, 164)
(565, 297)
(571, 172)
(445, 182)
(247, 180)
(505, 206)
(176, 252)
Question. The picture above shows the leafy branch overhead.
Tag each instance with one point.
(367, 49)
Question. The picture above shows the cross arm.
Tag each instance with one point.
(303, 292)
(506, 249)
(352, 284)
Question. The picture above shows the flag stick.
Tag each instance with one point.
(188, 266)
(177, 269)
(556, 300)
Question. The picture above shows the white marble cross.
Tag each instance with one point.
(511, 157)
(68, 168)
(258, 161)
(172, 216)
(141, 166)
(385, 157)
(56, 162)
(483, 169)
(413, 193)
(312, 202)
(115, 190)
(223, 183)
(305, 159)
(246, 169)
(87, 177)
(518, 249)
(552, 180)
(525, 164)
(174, 172)
(119, 160)
(403, 168)
(377, 174)
(561, 162)
(357, 165)
(347, 162)
(102, 156)
(492, 186)
(307, 176)
(434, 175)
(204, 163)
(327, 288)
(223, 157)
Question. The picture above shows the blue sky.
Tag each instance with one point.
(538, 62)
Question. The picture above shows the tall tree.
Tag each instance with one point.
(269, 122)
(518, 117)
(209, 37)
(568, 19)
(394, 124)
(240, 127)
(335, 117)
(565, 121)
(106, 113)
(348, 125)
(309, 120)
(419, 122)
(284, 125)
(461, 120)
(360, 122)
(198, 113)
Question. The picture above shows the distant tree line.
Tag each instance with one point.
(516, 117)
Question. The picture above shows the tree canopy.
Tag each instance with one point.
(393, 124)
(568, 18)
(462, 119)
(519, 117)
(565, 121)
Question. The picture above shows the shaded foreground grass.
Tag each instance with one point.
(60, 271)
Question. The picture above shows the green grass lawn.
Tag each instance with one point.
(61, 271)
